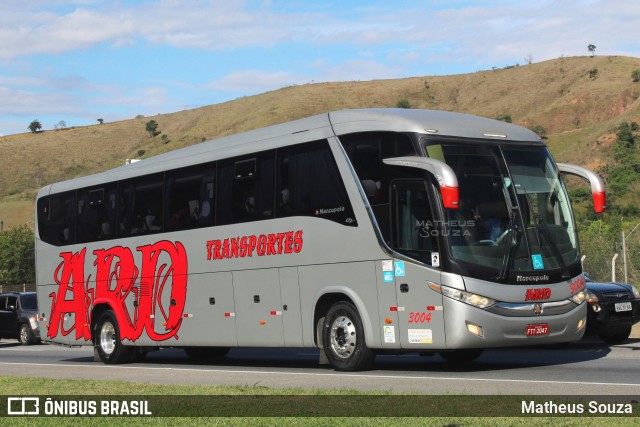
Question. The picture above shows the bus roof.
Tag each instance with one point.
(321, 126)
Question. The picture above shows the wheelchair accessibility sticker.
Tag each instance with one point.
(399, 268)
(537, 262)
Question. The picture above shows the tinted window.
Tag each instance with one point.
(246, 188)
(310, 184)
(190, 199)
(96, 214)
(28, 302)
(12, 302)
(56, 218)
(366, 152)
(140, 206)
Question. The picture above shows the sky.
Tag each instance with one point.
(77, 61)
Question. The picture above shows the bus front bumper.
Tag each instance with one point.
(471, 327)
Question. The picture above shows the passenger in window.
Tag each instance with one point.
(284, 204)
(149, 223)
(178, 220)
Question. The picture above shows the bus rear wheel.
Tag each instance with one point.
(461, 356)
(107, 340)
(343, 339)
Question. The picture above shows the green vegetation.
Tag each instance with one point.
(601, 237)
(17, 256)
(35, 126)
(152, 128)
(505, 118)
(403, 103)
(635, 75)
(539, 130)
(593, 73)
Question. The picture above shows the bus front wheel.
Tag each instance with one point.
(343, 338)
(107, 340)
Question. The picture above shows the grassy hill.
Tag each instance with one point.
(579, 108)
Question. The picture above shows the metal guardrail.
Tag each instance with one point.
(25, 287)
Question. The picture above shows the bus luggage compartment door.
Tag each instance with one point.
(258, 307)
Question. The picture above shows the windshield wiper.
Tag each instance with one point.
(510, 246)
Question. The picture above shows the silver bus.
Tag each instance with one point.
(357, 232)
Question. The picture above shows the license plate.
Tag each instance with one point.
(539, 329)
(623, 306)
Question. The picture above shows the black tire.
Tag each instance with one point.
(107, 340)
(343, 339)
(25, 335)
(616, 337)
(461, 356)
(203, 354)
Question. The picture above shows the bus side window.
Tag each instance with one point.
(246, 188)
(96, 214)
(140, 209)
(56, 218)
(189, 194)
(309, 184)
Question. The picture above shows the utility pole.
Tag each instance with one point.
(613, 267)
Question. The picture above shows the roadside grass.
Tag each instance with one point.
(236, 397)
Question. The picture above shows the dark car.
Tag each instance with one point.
(19, 317)
(613, 309)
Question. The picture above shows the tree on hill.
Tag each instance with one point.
(592, 49)
(100, 121)
(152, 128)
(35, 126)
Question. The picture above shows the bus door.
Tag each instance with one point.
(420, 316)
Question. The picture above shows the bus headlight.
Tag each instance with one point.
(467, 297)
(579, 297)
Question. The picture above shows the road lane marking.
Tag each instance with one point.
(326, 374)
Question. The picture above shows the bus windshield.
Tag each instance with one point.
(514, 213)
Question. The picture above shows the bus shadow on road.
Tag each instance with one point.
(306, 358)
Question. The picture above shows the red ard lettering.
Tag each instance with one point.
(117, 280)
(537, 294)
(262, 245)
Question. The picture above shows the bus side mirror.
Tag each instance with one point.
(443, 173)
(598, 192)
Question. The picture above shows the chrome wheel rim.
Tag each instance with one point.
(343, 337)
(24, 334)
(107, 338)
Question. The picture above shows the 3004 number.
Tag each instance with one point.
(417, 317)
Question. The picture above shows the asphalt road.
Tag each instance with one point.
(587, 367)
